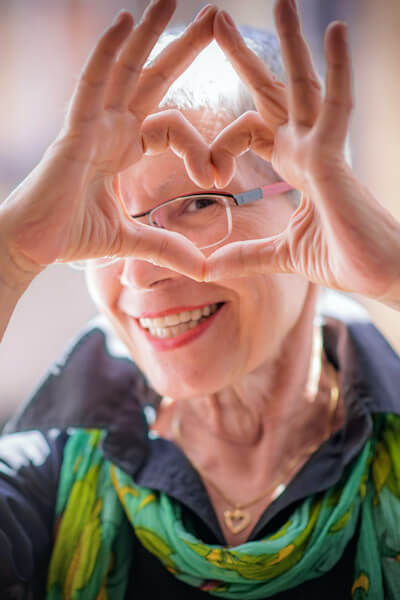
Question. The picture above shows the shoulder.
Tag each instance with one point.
(92, 385)
(369, 366)
(30, 464)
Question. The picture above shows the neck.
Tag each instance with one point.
(270, 412)
(263, 403)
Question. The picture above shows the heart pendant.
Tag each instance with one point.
(236, 520)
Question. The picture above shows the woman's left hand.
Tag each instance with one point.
(339, 236)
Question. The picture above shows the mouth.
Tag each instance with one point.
(177, 324)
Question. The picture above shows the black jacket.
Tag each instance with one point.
(97, 385)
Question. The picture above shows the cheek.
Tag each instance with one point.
(104, 286)
(267, 308)
(264, 220)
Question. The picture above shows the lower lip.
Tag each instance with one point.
(163, 344)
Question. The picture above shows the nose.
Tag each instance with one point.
(141, 274)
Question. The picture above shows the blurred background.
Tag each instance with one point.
(42, 47)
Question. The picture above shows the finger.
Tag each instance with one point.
(238, 259)
(248, 132)
(304, 87)
(136, 50)
(88, 98)
(172, 62)
(268, 93)
(171, 129)
(162, 248)
(333, 121)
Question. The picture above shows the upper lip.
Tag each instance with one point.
(170, 311)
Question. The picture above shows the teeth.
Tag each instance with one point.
(178, 323)
(172, 319)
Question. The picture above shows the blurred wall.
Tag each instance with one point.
(376, 124)
(42, 47)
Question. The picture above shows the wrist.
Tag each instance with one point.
(16, 271)
(334, 172)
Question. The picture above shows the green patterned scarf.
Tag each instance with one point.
(98, 504)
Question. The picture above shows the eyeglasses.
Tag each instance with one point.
(205, 218)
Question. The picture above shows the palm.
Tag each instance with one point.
(331, 238)
(88, 160)
(333, 257)
(82, 218)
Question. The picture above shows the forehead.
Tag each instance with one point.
(154, 179)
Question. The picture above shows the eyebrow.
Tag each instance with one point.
(164, 188)
(167, 184)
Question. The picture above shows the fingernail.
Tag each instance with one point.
(202, 12)
(228, 19)
(119, 17)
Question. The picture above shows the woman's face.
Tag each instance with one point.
(254, 314)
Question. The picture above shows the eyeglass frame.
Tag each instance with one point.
(240, 199)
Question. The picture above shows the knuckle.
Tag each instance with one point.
(91, 83)
(306, 80)
(339, 103)
(175, 117)
(149, 28)
(156, 76)
(131, 69)
(249, 118)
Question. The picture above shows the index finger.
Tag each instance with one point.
(304, 88)
(137, 48)
(268, 93)
(172, 61)
(88, 98)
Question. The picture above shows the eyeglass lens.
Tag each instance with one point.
(202, 219)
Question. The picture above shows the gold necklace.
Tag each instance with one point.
(238, 519)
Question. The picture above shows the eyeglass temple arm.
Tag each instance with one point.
(265, 191)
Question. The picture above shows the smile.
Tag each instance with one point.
(176, 324)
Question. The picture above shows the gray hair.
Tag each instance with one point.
(211, 82)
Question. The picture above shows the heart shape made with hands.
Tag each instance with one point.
(208, 164)
(302, 133)
(213, 162)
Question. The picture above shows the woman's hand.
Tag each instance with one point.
(68, 208)
(339, 236)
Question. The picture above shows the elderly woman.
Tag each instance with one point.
(213, 433)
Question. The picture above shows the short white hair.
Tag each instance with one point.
(211, 82)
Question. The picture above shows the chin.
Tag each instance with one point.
(183, 383)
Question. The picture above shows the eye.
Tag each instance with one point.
(199, 203)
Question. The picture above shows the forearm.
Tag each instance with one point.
(9, 297)
(14, 281)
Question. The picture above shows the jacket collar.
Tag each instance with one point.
(96, 384)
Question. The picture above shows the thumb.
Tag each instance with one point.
(162, 248)
(238, 259)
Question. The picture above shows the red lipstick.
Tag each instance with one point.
(164, 344)
(171, 311)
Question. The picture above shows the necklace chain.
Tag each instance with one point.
(238, 519)
(334, 398)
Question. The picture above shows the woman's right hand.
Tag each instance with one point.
(68, 208)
